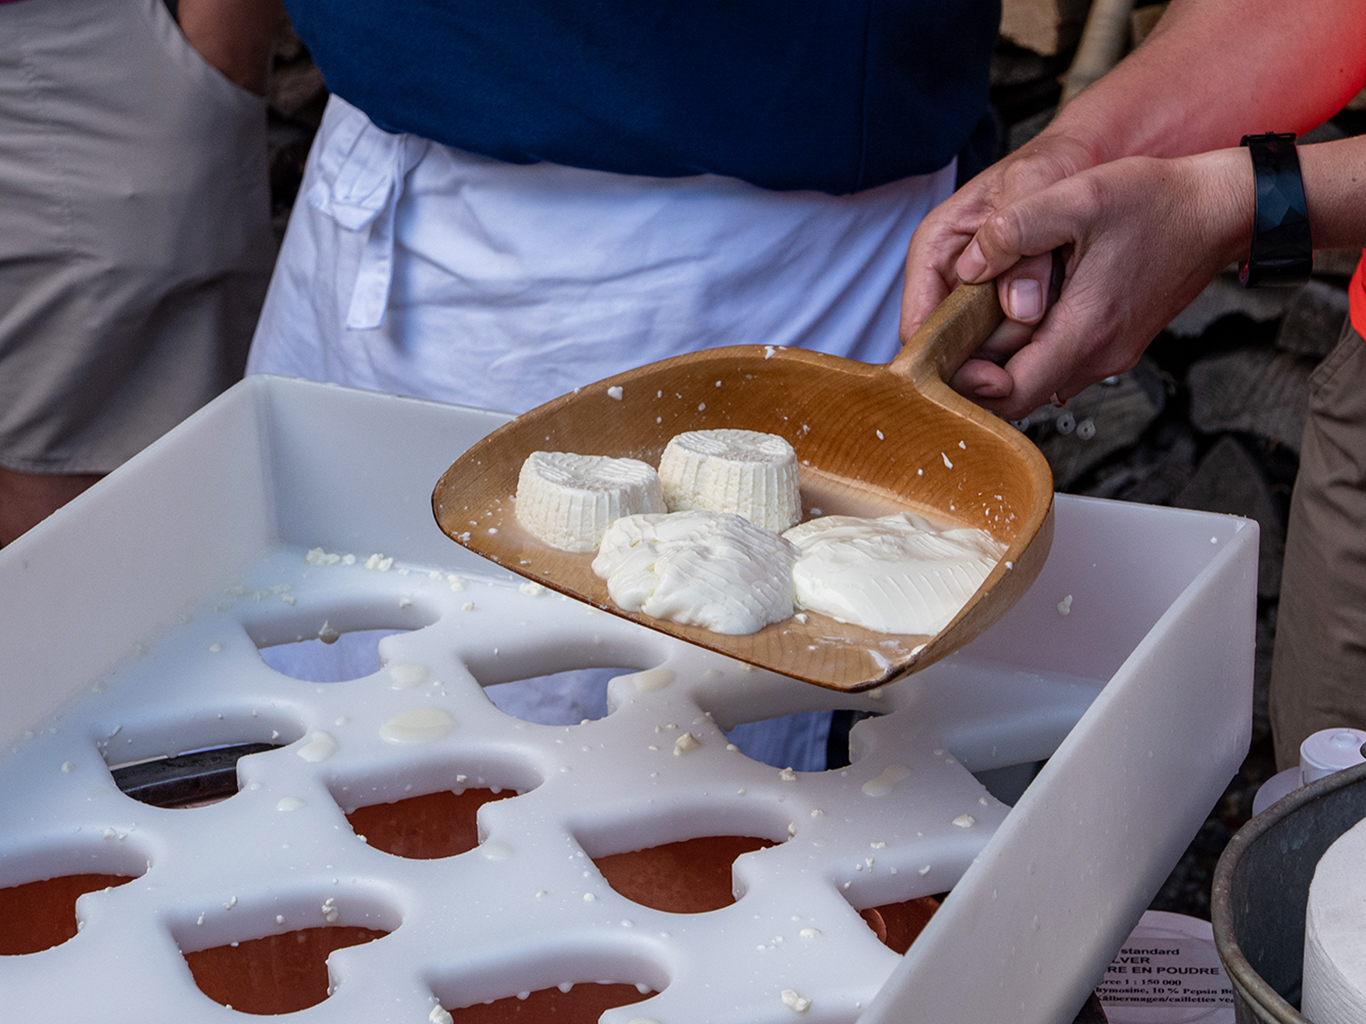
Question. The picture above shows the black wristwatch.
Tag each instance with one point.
(1282, 251)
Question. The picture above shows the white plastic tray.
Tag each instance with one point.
(111, 617)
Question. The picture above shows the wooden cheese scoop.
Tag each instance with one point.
(872, 440)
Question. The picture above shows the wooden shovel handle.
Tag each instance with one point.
(951, 333)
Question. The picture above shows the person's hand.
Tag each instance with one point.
(945, 232)
(235, 36)
(1140, 238)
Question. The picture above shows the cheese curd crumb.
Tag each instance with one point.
(793, 1001)
(686, 744)
(319, 556)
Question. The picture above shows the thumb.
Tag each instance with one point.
(1028, 227)
(1026, 289)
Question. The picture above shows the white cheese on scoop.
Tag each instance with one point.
(741, 471)
(569, 500)
(710, 569)
(896, 574)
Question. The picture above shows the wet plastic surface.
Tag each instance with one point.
(132, 626)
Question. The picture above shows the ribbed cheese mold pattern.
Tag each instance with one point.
(852, 837)
(221, 537)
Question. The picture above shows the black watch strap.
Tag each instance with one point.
(1282, 251)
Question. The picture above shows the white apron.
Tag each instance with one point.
(416, 269)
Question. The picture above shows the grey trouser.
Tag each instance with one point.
(135, 239)
(1318, 673)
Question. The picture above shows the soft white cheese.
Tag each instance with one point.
(709, 569)
(896, 574)
(569, 500)
(741, 471)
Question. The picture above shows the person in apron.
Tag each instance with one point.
(500, 208)
(135, 241)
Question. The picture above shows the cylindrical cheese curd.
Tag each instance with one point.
(896, 574)
(569, 500)
(740, 471)
(710, 569)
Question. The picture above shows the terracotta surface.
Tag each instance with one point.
(40, 915)
(897, 924)
(582, 1004)
(690, 877)
(285, 973)
(872, 440)
(425, 827)
(276, 974)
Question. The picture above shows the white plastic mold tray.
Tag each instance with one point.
(130, 624)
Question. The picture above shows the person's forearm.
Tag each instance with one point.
(1334, 176)
(1214, 70)
(235, 36)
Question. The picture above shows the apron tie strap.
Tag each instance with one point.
(361, 193)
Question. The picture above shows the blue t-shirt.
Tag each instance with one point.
(834, 95)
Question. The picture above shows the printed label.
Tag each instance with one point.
(1166, 972)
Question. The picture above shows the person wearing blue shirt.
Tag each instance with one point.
(507, 201)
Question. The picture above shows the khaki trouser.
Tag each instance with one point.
(1318, 674)
(135, 240)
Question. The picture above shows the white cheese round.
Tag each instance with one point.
(709, 569)
(1335, 935)
(741, 471)
(569, 500)
(896, 574)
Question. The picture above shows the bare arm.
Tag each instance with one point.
(1142, 237)
(1214, 70)
(1335, 190)
(235, 36)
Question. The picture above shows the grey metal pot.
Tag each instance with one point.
(1261, 893)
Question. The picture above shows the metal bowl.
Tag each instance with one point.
(1261, 893)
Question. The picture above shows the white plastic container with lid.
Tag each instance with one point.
(1321, 754)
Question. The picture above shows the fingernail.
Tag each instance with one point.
(987, 391)
(1025, 299)
(972, 264)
